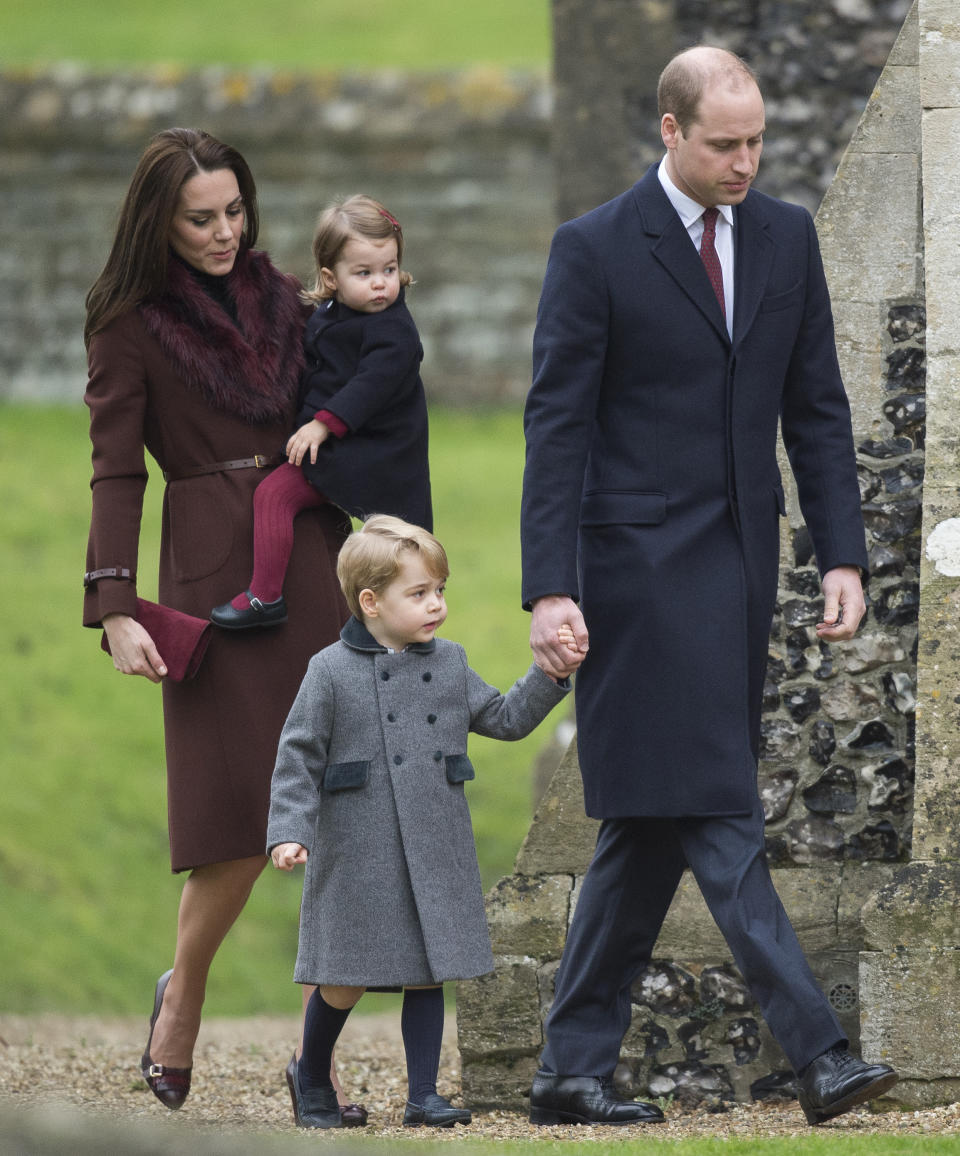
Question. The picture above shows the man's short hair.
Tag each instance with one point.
(371, 557)
(682, 82)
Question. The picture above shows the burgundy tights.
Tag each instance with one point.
(276, 502)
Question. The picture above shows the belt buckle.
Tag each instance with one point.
(261, 461)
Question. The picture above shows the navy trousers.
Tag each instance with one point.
(632, 878)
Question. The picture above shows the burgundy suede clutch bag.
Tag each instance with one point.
(181, 639)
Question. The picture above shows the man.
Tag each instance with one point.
(670, 338)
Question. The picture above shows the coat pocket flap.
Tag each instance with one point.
(621, 507)
(345, 776)
(459, 769)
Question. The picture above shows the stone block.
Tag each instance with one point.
(915, 908)
(528, 915)
(498, 1014)
(809, 896)
(939, 53)
(910, 1011)
(561, 838)
(859, 339)
(852, 217)
(498, 1081)
(859, 886)
(906, 48)
(891, 119)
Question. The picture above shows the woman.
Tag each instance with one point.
(194, 347)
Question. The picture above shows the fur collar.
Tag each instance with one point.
(251, 369)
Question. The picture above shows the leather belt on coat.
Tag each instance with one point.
(257, 462)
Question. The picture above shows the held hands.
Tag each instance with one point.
(843, 604)
(558, 635)
(286, 856)
(131, 647)
(309, 437)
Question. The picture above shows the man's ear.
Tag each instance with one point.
(368, 603)
(669, 130)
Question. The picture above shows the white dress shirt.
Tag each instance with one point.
(691, 213)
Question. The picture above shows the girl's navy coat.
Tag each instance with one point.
(652, 491)
(365, 369)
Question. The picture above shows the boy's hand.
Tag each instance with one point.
(567, 638)
(308, 437)
(286, 856)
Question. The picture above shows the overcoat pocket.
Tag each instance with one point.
(459, 769)
(622, 507)
(774, 301)
(345, 776)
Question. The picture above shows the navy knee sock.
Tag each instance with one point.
(322, 1025)
(421, 1024)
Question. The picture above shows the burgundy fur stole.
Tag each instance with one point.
(252, 371)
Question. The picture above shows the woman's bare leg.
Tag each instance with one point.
(212, 898)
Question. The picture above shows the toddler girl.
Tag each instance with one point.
(368, 792)
(362, 436)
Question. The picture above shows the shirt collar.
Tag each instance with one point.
(688, 209)
(357, 637)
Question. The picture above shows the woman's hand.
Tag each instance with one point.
(308, 437)
(286, 856)
(132, 649)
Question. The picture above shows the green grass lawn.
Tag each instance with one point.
(306, 35)
(600, 1142)
(89, 904)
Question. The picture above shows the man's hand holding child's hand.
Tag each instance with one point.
(286, 856)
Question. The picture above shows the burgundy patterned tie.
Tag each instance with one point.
(708, 255)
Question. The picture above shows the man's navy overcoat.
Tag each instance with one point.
(652, 492)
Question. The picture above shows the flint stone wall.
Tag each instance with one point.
(838, 738)
(463, 159)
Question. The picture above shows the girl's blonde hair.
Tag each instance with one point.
(370, 559)
(357, 216)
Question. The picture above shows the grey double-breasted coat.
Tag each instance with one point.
(369, 778)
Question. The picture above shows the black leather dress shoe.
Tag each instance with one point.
(171, 1086)
(585, 1100)
(837, 1081)
(315, 1107)
(257, 614)
(436, 1111)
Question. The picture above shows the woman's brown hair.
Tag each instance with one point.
(137, 266)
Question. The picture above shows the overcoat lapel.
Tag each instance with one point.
(752, 261)
(670, 244)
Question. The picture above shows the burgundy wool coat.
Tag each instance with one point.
(177, 377)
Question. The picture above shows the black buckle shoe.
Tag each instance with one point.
(259, 613)
(315, 1108)
(436, 1111)
(585, 1100)
(837, 1081)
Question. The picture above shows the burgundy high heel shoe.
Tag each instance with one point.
(171, 1086)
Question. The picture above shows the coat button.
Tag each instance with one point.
(385, 675)
(397, 759)
(391, 717)
(437, 756)
(431, 718)
(427, 676)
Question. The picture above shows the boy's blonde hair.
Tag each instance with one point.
(371, 558)
(357, 216)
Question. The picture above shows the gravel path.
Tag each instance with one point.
(87, 1069)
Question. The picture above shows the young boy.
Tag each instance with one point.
(368, 792)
